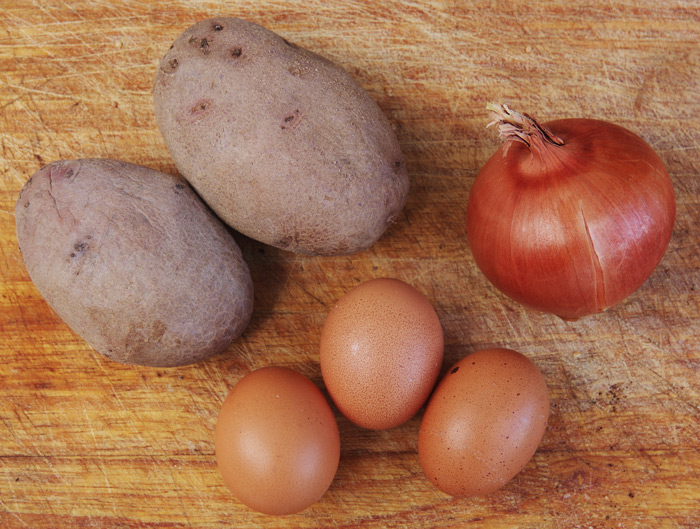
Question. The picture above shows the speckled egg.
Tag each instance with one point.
(277, 441)
(381, 352)
(483, 422)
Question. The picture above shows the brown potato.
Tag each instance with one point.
(281, 143)
(133, 261)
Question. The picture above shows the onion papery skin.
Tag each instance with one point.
(571, 229)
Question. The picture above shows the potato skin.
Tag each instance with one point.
(133, 261)
(281, 143)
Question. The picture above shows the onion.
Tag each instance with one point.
(569, 217)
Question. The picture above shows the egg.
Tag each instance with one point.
(483, 422)
(277, 441)
(381, 350)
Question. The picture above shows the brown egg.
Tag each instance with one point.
(381, 352)
(483, 422)
(277, 441)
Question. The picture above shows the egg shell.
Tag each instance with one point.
(381, 352)
(483, 422)
(277, 441)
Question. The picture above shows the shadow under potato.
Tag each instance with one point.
(268, 273)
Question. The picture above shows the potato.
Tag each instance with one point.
(282, 144)
(133, 261)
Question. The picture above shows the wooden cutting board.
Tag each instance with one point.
(85, 442)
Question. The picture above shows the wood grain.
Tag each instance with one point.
(85, 442)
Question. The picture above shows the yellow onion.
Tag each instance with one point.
(569, 217)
